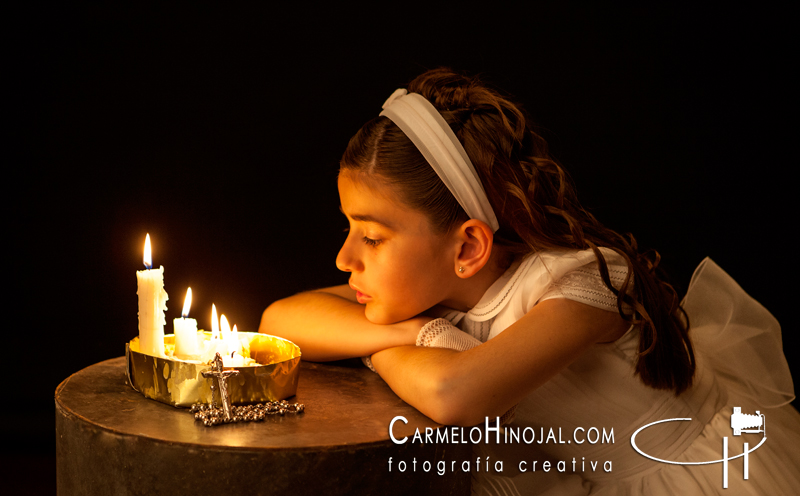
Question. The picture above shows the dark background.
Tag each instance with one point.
(218, 130)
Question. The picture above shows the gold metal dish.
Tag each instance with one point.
(178, 383)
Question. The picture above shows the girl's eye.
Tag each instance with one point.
(371, 242)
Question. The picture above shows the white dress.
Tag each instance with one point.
(740, 363)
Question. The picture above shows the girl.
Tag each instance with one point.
(480, 288)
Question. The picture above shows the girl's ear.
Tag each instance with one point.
(475, 240)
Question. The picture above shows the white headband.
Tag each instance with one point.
(431, 134)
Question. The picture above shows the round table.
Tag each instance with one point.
(110, 439)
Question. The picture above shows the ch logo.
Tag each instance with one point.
(740, 423)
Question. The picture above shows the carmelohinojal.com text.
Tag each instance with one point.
(475, 435)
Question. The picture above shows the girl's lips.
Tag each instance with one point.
(361, 297)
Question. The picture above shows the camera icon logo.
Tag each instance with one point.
(741, 423)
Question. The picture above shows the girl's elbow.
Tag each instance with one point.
(451, 405)
(454, 414)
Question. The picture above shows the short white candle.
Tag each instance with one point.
(230, 339)
(152, 305)
(233, 356)
(214, 322)
(233, 360)
(224, 328)
(186, 345)
(212, 346)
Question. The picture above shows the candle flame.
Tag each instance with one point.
(225, 327)
(235, 343)
(187, 303)
(214, 322)
(148, 258)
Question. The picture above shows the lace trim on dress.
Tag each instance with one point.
(479, 330)
(490, 306)
(586, 286)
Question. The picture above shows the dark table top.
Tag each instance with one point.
(345, 405)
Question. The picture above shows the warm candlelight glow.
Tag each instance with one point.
(152, 304)
(148, 258)
(224, 341)
(225, 327)
(187, 303)
(214, 322)
(187, 346)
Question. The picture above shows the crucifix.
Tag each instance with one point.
(221, 376)
(211, 415)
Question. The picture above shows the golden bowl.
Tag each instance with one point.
(180, 383)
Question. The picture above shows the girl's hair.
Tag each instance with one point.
(535, 204)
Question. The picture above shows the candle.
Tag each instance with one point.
(233, 360)
(186, 346)
(152, 305)
(230, 340)
(234, 339)
(225, 328)
(214, 322)
(224, 341)
(231, 344)
(212, 346)
(234, 357)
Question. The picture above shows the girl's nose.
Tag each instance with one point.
(346, 260)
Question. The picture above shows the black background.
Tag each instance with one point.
(218, 130)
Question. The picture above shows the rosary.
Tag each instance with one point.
(212, 415)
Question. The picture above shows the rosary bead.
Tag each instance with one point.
(211, 415)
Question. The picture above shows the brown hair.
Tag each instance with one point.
(535, 204)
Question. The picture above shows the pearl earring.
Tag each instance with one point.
(461, 269)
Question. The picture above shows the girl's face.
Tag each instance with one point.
(398, 266)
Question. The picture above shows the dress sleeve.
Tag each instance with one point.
(585, 285)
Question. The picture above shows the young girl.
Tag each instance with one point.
(480, 288)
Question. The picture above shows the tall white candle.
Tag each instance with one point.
(186, 345)
(152, 305)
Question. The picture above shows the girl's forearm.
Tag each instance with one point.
(415, 374)
(329, 327)
(462, 388)
(436, 382)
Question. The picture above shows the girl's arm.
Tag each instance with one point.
(328, 324)
(462, 388)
